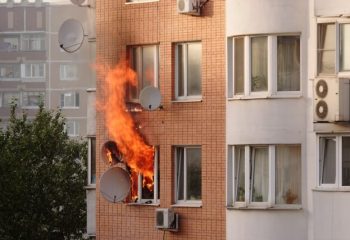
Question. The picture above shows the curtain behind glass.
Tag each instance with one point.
(258, 64)
(239, 174)
(148, 66)
(259, 174)
(346, 161)
(326, 48)
(288, 174)
(327, 160)
(288, 63)
(194, 56)
(344, 47)
(194, 173)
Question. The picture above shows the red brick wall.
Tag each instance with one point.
(196, 123)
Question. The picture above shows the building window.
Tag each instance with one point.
(10, 71)
(70, 100)
(32, 99)
(72, 128)
(188, 175)
(188, 79)
(334, 161)
(149, 192)
(8, 98)
(33, 70)
(253, 73)
(333, 48)
(265, 175)
(33, 42)
(144, 61)
(9, 43)
(68, 72)
(92, 161)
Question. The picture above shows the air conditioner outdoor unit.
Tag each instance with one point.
(331, 100)
(188, 7)
(166, 219)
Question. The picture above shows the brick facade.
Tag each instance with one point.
(191, 123)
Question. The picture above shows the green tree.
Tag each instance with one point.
(42, 179)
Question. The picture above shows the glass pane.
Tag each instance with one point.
(258, 64)
(345, 161)
(326, 48)
(239, 65)
(180, 173)
(147, 188)
(288, 175)
(288, 63)
(194, 173)
(259, 174)
(148, 66)
(344, 47)
(194, 55)
(239, 174)
(180, 73)
(93, 161)
(327, 160)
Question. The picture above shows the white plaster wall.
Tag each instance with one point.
(332, 7)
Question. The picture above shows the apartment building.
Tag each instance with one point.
(186, 55)
(34, 67)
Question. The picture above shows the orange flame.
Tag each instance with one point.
(121, 126)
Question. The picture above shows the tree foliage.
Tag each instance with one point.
(42, 179)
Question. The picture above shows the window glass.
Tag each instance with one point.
(148, 65)
(259, 170)
(68, 72)
(239, 65)
(9, 43)
(92, 160)
(70, 99)
(10, 71)
(346, 161)
(239, 174)
(327, 160)
(288, 63)
(72, 128)
(194, 55)
(8, 98)
(180, 173)
(258, 64)
(288, 174)
(326, 48)
(32, 99)
(193, 173)
(181, 72)
(344, 47)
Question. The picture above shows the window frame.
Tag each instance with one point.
(11, 47)
(185, 202)
(186, 97)
(337, 22)
(14, 67)
(27, 94)
(271, 200)
(338, 163)
(76, 127)
(272, 70)
(30, 75)
(27, 39)
(139, 63)
(76, 100)
(2, 96)
(63, 72)
(90, 158)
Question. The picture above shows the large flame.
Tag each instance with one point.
(122, 129)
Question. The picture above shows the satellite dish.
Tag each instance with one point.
(71, 35)
(77, 2)
(115, 184)
(150, 98)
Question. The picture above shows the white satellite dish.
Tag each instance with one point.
(115, 184)
(77, 2)
(150, 98)
(71, 35)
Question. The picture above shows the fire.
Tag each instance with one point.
(109, 156)
(137, 154)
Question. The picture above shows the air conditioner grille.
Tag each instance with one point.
(321, 109)
(160, 218)
(321, 88)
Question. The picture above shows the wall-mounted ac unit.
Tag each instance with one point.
(188, 7)
(331, 100)
(166, 219)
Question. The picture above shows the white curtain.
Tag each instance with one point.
(288, 174)
(258, 64)
(259, 168)
(239, 174)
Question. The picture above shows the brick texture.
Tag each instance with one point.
(197, 123)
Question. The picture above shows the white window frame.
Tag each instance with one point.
(39, 44)
(271, 202)
(338, 163)
(271, 68)
(90, 139)
(184, 55)
(31, 93)
(30, 74)
(337, 22)
(186, 201)
(63, 100)
(64, 69)
(2, 96)
(139, 66)
(155, 199)
(76, 128)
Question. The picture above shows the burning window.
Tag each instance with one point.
(188, 174)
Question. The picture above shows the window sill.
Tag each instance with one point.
(30, 107)
(277, 96)
(187, 100)
(187, 205)
(69, 107)
(142, 1)
(331, 189)
(90, 187)
(157, 204)
(266, 207)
